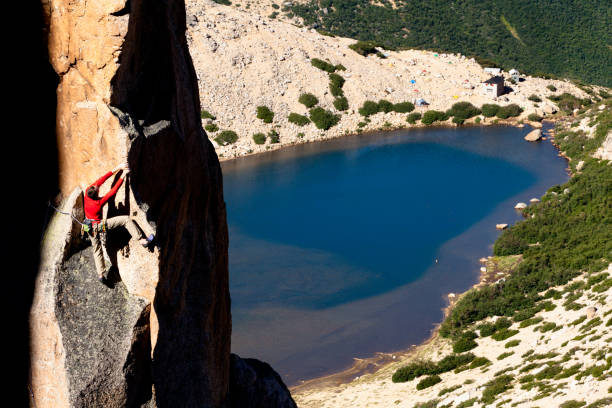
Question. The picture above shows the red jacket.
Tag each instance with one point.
(93, 208)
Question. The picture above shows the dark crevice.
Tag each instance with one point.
(37, 179)
(144, 86)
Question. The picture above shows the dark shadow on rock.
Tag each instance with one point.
(254, 384)
(507, 90)
(34, 178)
(176, 180)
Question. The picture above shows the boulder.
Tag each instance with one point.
(534, 135)
(254, 384)
(534, 200)
(501, 226)
(548, 109)
(591, 311)
(520, 206)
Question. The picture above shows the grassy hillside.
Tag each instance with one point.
(566, 38)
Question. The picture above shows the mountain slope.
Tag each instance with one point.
(565, 38)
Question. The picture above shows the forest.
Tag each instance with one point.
(562, 38)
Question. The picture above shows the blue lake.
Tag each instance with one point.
(333, 245)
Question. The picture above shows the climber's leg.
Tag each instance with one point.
(98, 254)
(128, 223)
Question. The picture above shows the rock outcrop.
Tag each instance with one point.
(534, 135)
(254, 384)
(161, 337)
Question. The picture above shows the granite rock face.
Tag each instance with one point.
(161, 336)
(254, 384)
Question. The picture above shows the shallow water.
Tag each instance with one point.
(333, 245)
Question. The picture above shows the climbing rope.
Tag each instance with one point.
(67, 213)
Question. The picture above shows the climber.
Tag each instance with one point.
(93, 217)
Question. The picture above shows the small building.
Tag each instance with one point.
(493, 86)
(492, 71)
(514, 74)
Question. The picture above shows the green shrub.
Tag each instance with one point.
(308, 100)
(428, 382)
(494, 387)
(549, 372)
(413, 370)
(568, 102)
(207, 115)
(453, 361)
(448, 390)
(464, 344)
(509, 111)
(534, 117)
(512, 343)
(428, 404)
(486, 329)
(265, 114)
(226, 137)
(364, 48)
(479, 362)
(524, 314)
(368, 108)
(572, 404)
(322, 65)
(503, 334)
(403, 107)
(427, 367)
(432, 116)
(530, 322)
(468, 403)
(602, 287)
(548, 326)
(274, 136)
(211, 127)
(552, 88)
(413, 117)
(341, 103)
(600, 403)
(298, 119)
(504, 355)
(335, 90)
(489, 110)
(259, 138)
(385, 106)
(477, 120)
(323, 119)
(463, 110)
(340, 67)
(534, 98)
(458, 121)
(336, 80)
(502, 323)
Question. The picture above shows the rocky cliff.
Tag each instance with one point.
(160, 335)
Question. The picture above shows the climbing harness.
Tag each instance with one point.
(88, 226)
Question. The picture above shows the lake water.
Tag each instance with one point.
(333, 245)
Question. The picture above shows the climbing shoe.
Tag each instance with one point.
(147, 241)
